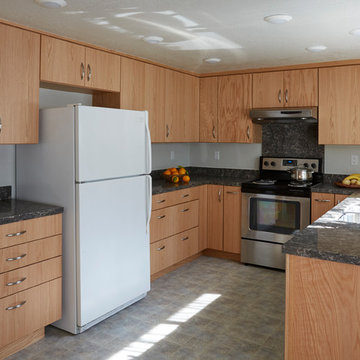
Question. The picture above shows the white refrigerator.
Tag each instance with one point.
(95, 162)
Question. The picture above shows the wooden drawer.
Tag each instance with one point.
(320, 204)
(162, 255)
(34, 251)
(174, 219)
(187, 244)
(29, 230)
(29, 276)
(41, 306)
(160, 201)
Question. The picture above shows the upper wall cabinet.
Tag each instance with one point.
(143, 88)
(19, 85)
(339, 105)
(234, 104)
(67, 63)
(285, 88)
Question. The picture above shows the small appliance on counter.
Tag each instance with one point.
(274, 206)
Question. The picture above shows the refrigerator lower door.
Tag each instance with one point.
(112, 245)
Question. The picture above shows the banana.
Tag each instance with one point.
(353, 177)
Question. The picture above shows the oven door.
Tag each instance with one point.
(273, 218)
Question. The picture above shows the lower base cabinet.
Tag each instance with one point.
(323, 202)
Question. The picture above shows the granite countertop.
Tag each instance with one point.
(12, 210)
(330, 237)
(331, 188)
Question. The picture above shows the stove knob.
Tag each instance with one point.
(306, 165)
(266, 163)
(273, 163)
(313, 165)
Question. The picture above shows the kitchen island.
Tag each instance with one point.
(323, 287)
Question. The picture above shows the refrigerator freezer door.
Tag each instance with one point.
(113, 245)
(111, 143)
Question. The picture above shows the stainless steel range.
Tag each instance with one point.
(273, 207)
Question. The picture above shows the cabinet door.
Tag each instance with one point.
(232, 219)
(301, 87)
(189, 105)
(215, 217)
(268, 89)
(19, 85)
(320, 204)
(208, 116)
(234, 103)
(339, 198)
(203, 214)
(339, 105)
(62, 62)
(102, 70)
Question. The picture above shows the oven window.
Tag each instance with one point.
(276, 216)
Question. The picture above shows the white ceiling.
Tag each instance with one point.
(233, 30)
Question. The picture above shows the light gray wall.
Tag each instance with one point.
(7, 165)
(338, 159)
(161, 155)
(54, 98)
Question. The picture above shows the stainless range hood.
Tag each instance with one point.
(285, 115)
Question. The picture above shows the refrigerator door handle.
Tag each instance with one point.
(148, 145)
(149, 202)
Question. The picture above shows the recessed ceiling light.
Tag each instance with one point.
(153, 39)
(316, 48)
(52, 4)
(278, 19)
(212, 60)
(355, 32)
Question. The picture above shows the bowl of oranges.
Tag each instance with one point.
(177, 175)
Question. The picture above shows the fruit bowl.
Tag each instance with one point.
(176, 175)
(340, 184)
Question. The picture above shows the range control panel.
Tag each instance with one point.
(283, 164)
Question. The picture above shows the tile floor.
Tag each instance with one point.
(207, 309)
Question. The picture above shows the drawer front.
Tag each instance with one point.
(162, 255)
(29, 276)
(29, 253)
(174, 219)
(37, 307)
(160, 201)
(187, 244)
(29, 230)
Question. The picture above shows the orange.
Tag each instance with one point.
(173, 169)
(175, 173)
(167, 172)
(182, 171)
(186, 178)
(175, 179)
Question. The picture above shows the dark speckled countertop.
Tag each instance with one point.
(330, 188)
(331, 237)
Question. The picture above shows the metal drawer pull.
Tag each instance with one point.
(185, 238)
(161, 201)
(186, 195)
(185, 210)
(286, 95)
(161, 248)
(322, 200)
(248, 132)
(0, 124)
(167, 130)
(16, 306)
(219, 195)
(161, 216)
(232, 192)
(16, 258)
(16, 282)
(17, 233)
(89, 72)
(82, 71)
(279, 96)
(213, 132)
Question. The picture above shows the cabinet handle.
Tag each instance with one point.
(161, 201)
(232, 192)
(16, 234)
(16, 306)
(185, 238)
(213, 132)
(185, 210)
(185, 195)
(82, 71)
(219, 195)
(89, 72)
(286, 95)
(161, 248)
(322, 200)
(161, 216)
(16, 282)
(279, 96)
(16, 258)
(0, 124)
(167, 130)
(248, 132)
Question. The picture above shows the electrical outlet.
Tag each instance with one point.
(172, 155)
(217, 155)
(354, 159)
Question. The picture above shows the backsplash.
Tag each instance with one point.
(291, 140)
(5, 192)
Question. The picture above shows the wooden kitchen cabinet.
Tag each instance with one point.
(203, 217)
(320, 204)
(234, 104)
(339, 198)
(143, 88)
(19, 85)
(290, 88)
(339, 105)
(66, 63)
(215, 217)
